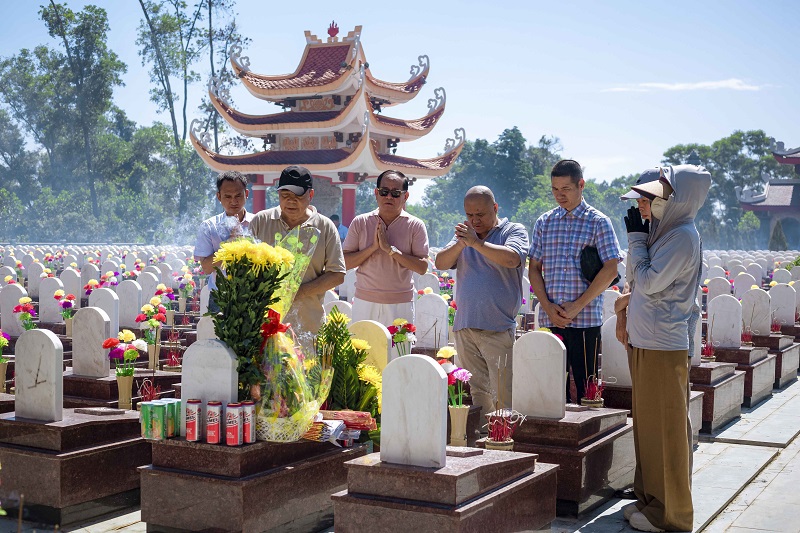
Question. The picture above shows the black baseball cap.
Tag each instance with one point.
(295, 179)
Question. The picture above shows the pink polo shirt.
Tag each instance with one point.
(381, 279)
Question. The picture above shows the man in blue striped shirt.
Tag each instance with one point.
(573, 307)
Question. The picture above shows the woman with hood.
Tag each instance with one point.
(664, 262)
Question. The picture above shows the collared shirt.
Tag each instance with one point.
(342, 229)
(488, 294)
(381, 279)
(559, 236)
(327, 257)
(213, 232)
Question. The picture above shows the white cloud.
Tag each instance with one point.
(732, 84)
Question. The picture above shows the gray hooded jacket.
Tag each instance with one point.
(665, 263)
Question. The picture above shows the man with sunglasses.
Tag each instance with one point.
(386, 245)
(326, 270)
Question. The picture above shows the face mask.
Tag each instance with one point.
(657, 207)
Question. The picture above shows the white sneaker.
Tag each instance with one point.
(628, 510)
(640, 522)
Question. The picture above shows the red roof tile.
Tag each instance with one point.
(283, 157)
(437, 163)
(283, 118)
(419, 124)
(322, 65)
(779, 196)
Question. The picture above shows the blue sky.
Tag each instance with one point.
(617, 81)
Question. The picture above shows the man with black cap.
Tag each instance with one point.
(665, 263)
(326, 271)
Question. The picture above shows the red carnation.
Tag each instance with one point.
(451, 379)
(411, 328)
(70, 297)
(141, 317)
(392, 329)
(420, 292)
(110, 343)
(160, 317)
(453, 304)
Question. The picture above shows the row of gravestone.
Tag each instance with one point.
(109, 259)
(757, 310)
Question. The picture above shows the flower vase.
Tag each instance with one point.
(458, 424)
(501, 445)
(153, 352)
(403, 348)
(125, 386)
(3, 369)
(68, 327)
(170, 317)
(181, 305)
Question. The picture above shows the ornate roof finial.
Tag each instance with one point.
(333, 29)
(452, 144)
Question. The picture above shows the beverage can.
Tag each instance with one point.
(249, 421)
(169, 417)
(213, 422)
(146, 419)
(193, 410)
(233, 424)
(158, 420)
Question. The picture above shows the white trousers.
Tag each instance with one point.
(382, 313)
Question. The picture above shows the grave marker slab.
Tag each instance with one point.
(129, 293)
(9, 298)
(108, 301)
(756, 311)
(205, 329)
(209, 373)
(781, 275)
(725, 321)
(540, 375)
(379, 339)
(34, 279)
(49, 307)
(432, 321)
(90, 327)
(717, 286)
(744, 282)
(39, 376)
(783, 301)
(72, 285)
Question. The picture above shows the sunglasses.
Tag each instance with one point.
(383, 191)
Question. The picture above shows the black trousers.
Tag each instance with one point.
(582, 346)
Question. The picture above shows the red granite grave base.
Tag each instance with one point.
(793, 330)
(616, 397)
(787, 362)
(474, 422)
(255, 487)
(593, 448)
(723, 393)
(6, 402)
(759, 368)
(79, 468)
(493, 491)
(83, 391)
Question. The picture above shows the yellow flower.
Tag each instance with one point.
(184, 268)
(360, 344)
(754, 287)
(155, 301)
(446, 352)
(546, 330)
(126, 335)
(445, 275)
(370, 374)
(705, 281)
(261, 254)
(147, 308)
(309, 363)
(773, 283)
(8, 278)
(25, 300)
(161, 287)
(791, 283)
(74, 264)
(399, 322)
(59, 293)
(427, 290)
(446, 297)
(93, 283)
(109, 273)
(187, 277)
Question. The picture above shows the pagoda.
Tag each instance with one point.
(780, 199)
(332, 121)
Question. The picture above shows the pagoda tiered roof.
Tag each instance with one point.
(786, 157)
(779, 195)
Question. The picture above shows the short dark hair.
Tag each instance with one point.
(569, 168)
(334, 217)
(231, 175)
(395, 173)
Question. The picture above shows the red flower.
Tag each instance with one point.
(160, 317)
(272, 326)
(411, 328)
(453, 304)
(451, 379)
(17, 309)
(615, 288)
(559, 337)
(57, 298)
(159, 292)
(705, 290)
(393, 330)
(70, 297)
(451, 281)
(110, 343)
(162, 309)
(420, 292)
(141, 317)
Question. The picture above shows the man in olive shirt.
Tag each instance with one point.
(326, 271)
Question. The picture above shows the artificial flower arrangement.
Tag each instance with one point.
(19, 268)
(26, 313)
(9, 280)
(92, 285)
(451, 312)
(124, 350)
(66, 302)
(166, 294)
(4, 338)
(46, 273)
(110, 279)
(426, 290)
(151, 318)
(403, 338)
(186, 285)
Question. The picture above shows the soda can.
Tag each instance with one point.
(175, 405)
(249, 421)
(213, 423)
(146, 419)
(233, 424)
(169, 417)
(193, 410)
(158, 420)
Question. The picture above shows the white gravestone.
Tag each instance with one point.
(742, 283)
(725, 322)
(429, 279)
(540, 375)
(72, 285)
(148, 281)
(348, 287)
(88, 272)
(9, 298)
(526, 296)
(330, 296)
(205, 293)
(27, 260)
(346, 308)
(8, 271)
(39, 376)
(615, 356)
(795, 274)
(379, 340)
(130, 261)
(90, 327)
(108, 301)
(209, 374)
(781, 275)
(49, 307)
(783, 301)
(432, 321)
(716, 272)
(205, 329)
(34, 279)
(717, 286)
(609, 299)
(414, 417)
(109, 266)
(698, 335)
(166, 273)
(756, 311)
(129, 293)
(714, 261)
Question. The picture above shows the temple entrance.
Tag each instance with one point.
(791, 228)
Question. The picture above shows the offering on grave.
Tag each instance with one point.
(213, 422)
(193, 410)
(233, 424)
(249, 421)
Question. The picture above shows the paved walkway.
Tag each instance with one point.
(746, 479)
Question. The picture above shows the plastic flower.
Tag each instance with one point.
(126, 335)
(116, 353)
(140, 344)
(148, 308)
(447, 352)
(360, 344)
(447, 297)
(155, 301)
(111, 342)
(25, 300)
(462, 374)
(773, 283)
(427, 290)
(74, 264)
(754, 287)
(705, 281)
(160, 317)
(58, 294)
(399, 322)
(161, 287)
(8, 279)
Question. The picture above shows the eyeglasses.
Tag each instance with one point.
(383, 191)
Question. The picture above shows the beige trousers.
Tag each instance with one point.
(484, 353)
(662, 437)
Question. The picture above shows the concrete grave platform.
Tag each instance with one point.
(723, 393)
(758, 366)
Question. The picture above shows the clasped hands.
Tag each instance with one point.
(466, 234)
(381, 241)
(561, 315)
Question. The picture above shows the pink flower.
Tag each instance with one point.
(462, 374)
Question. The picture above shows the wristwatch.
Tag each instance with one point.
(393, 250)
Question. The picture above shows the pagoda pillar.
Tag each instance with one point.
(348, 202)
(259, 194)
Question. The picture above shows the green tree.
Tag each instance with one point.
(747, 227)
(777, 243)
